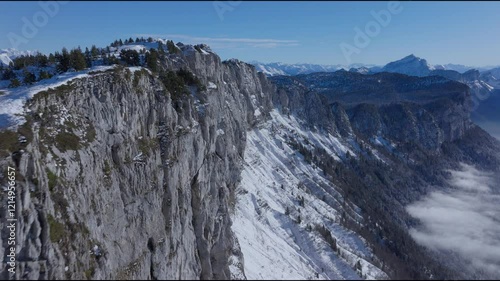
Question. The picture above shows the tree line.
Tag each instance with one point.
(40, 66)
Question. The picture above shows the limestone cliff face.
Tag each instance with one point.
(427, 111)
(120, 181)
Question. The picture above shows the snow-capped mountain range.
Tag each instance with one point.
(7, 55)
(410, 65)
(479, 80)
(278, 68)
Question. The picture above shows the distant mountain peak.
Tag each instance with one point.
(411, 56)
(409, 65)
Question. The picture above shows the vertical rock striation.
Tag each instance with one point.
(122, 180)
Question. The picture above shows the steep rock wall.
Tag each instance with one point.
(117, 183)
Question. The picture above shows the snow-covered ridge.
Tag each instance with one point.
(98, 56)
(13, 100)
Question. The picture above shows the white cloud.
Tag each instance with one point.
(224, 42)
(465, 220)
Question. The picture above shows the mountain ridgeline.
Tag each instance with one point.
(128, 173)
(483, 82)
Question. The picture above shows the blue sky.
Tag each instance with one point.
(310, 32)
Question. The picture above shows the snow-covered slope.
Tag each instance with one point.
(5, 59)
(13, 100)
(278, 187)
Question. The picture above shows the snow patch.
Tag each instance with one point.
(4, 59)
(211, 85)
(257, 113)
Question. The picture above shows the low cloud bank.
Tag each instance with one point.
(465, 220)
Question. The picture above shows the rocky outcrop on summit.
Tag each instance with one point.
(122, 180)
